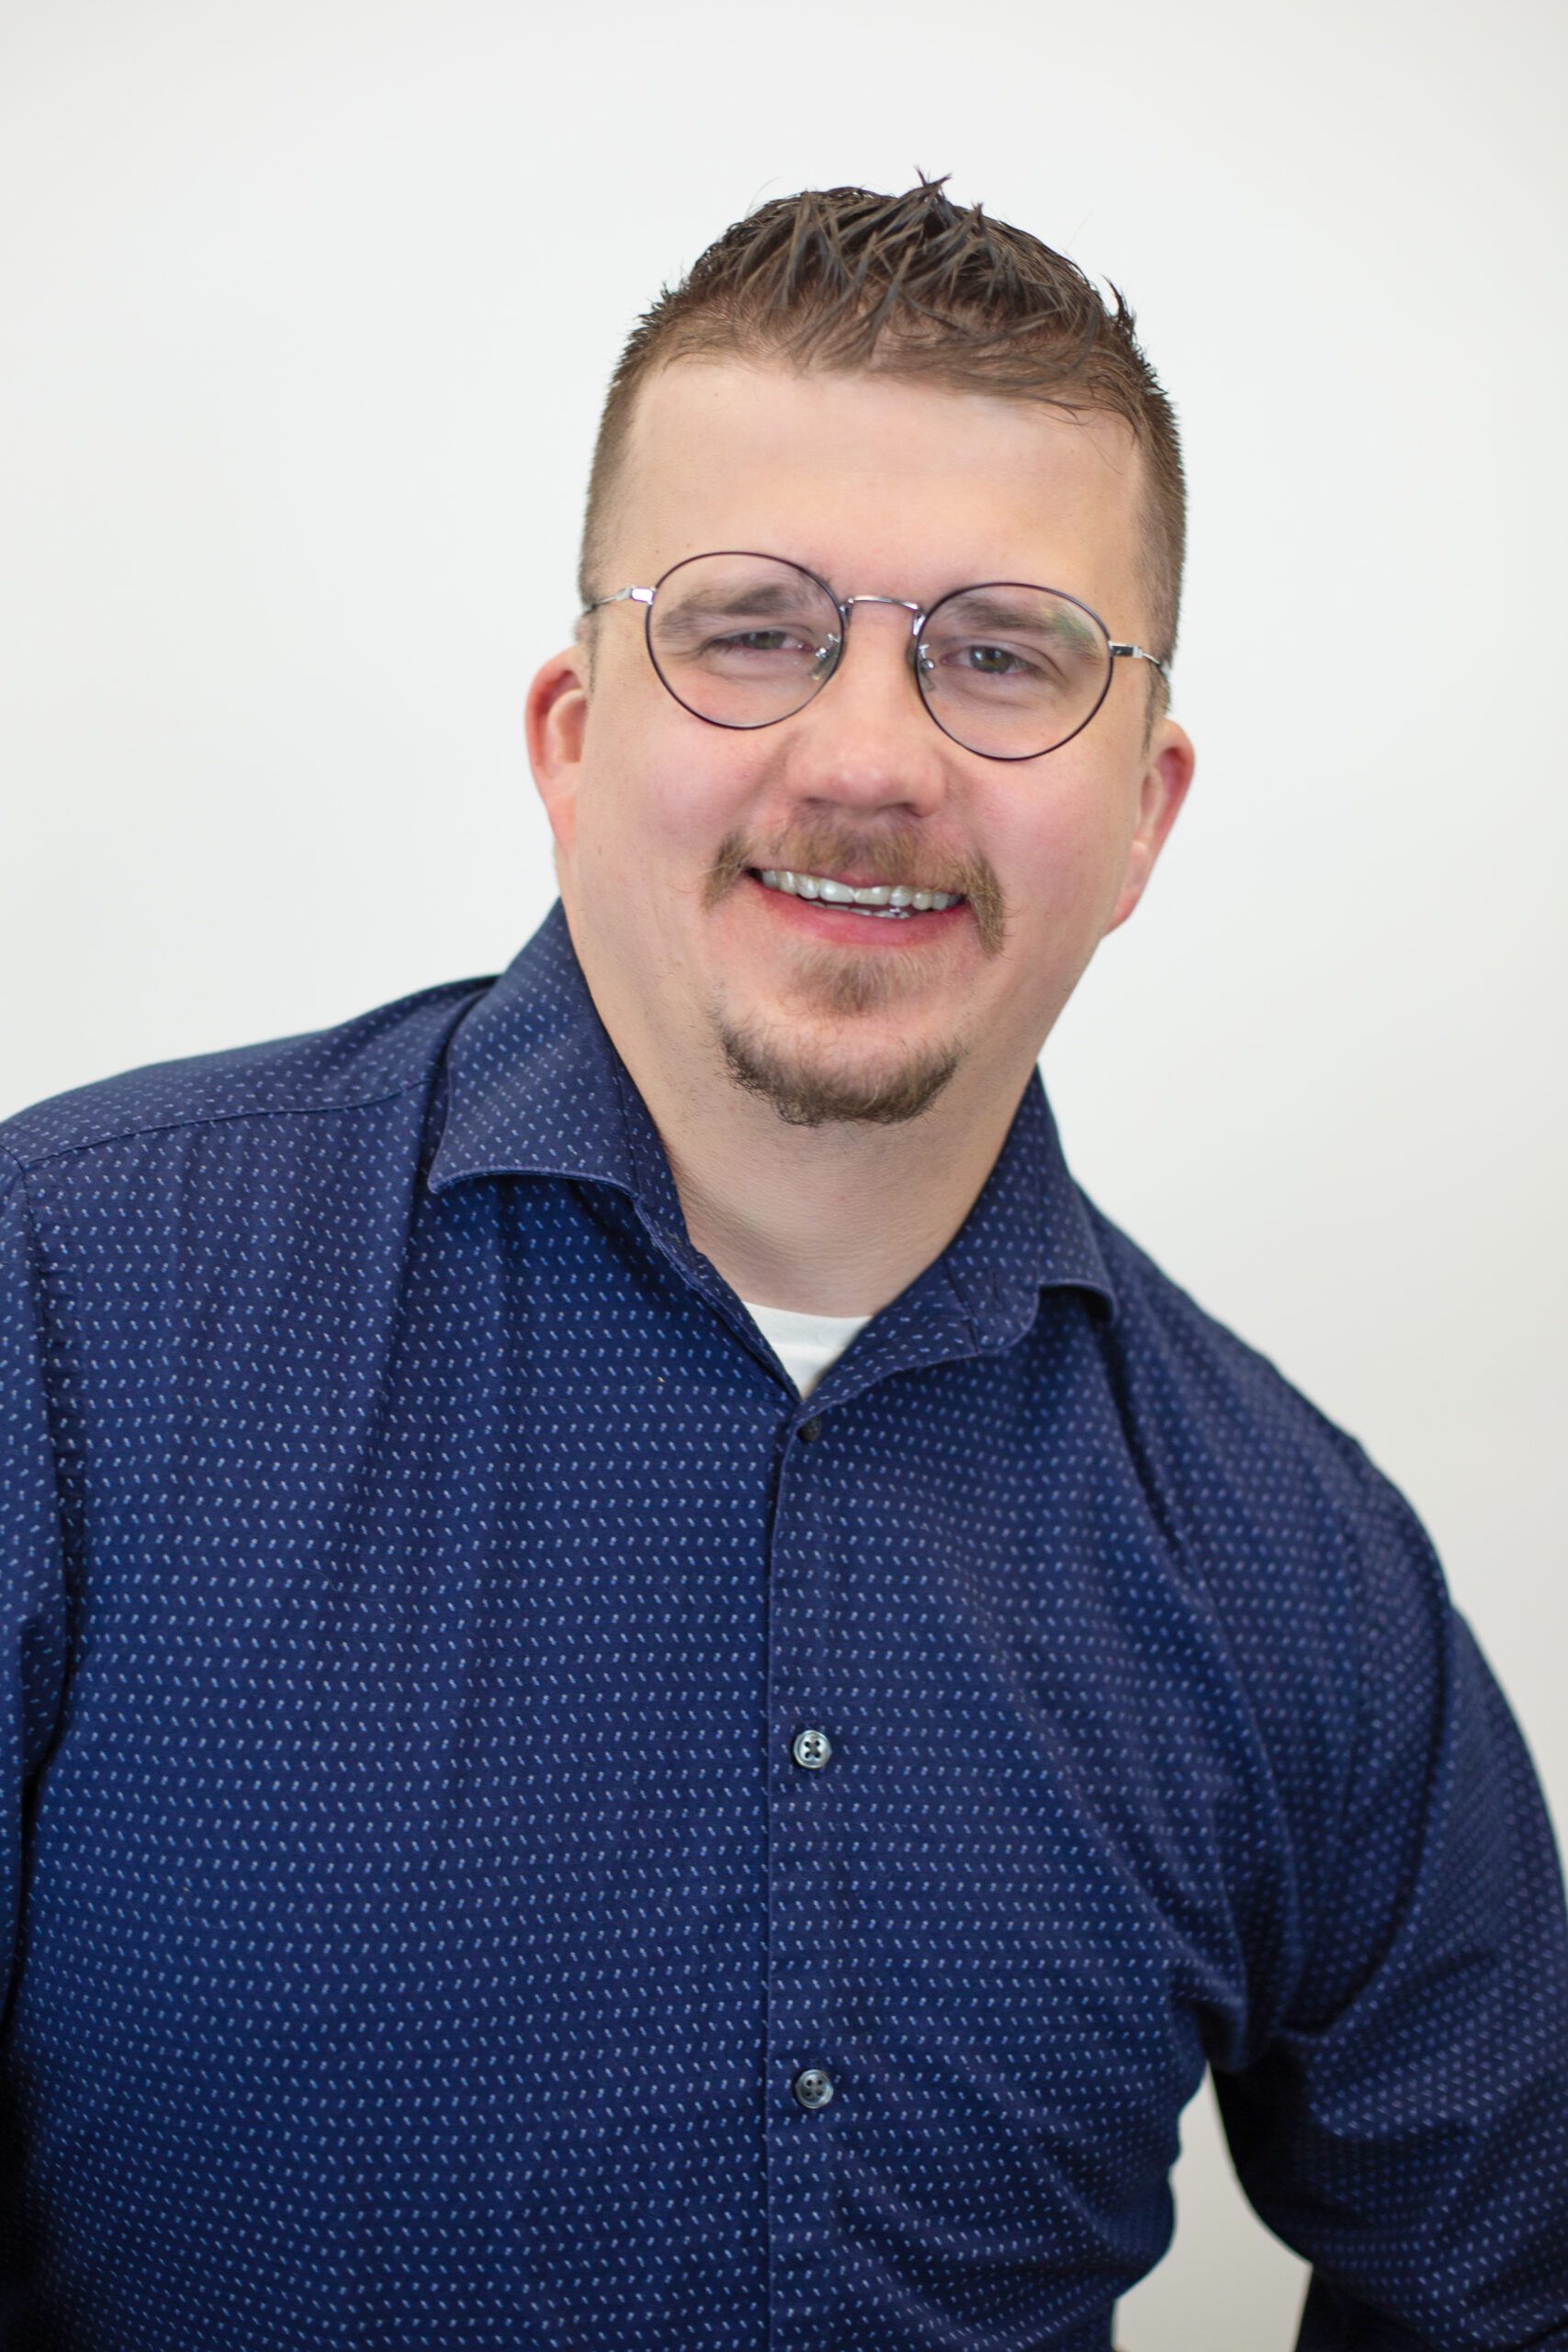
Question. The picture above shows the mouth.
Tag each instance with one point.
(890, 902)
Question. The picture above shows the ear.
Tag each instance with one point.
(1161, 791)
(555, 718)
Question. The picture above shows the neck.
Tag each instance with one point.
(829, 1220)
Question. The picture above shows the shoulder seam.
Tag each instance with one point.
(212, 1119)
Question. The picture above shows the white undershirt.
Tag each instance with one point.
(805, 1344)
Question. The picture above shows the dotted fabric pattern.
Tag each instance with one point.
(416, 1573)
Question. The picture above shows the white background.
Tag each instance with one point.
(306, 312)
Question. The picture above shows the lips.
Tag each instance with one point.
(898, 900)
(869, 926)
(903, 860)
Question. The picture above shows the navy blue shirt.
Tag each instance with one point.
(521, 1832)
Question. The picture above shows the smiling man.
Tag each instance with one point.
(659, 1693)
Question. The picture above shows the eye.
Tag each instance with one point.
(986, 662)
(993, 660)
(759, 648)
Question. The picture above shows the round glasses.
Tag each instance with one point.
(1005, 669)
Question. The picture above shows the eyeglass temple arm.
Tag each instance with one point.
(1136, 653)
(637, 595)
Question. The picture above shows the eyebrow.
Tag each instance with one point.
(766, 597)
(990, 612)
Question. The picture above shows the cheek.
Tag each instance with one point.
(664, 795)
(656, 805)
(1058, 848)
(1062, 869)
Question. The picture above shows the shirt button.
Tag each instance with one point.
(813, 2086)
(811, 1428)
(811, 1748)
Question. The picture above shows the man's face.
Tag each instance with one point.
(664, 823)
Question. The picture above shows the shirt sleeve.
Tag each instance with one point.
(32, 1634)
(1405, 2129)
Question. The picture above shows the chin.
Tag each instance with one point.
(828, 1089)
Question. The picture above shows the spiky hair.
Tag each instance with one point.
(913, 286)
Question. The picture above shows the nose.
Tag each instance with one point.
(866, 741)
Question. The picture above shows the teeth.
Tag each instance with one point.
(900, 897)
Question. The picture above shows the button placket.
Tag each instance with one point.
(802, 2074)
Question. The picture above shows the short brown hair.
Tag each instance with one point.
(910, 286)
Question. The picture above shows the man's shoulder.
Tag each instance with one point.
(1310, 1566)
(1239, 1459)
(367, 1058)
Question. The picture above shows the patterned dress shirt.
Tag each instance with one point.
(521, 1832)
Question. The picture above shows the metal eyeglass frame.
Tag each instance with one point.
(841, 604)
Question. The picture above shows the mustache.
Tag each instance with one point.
(826, 848)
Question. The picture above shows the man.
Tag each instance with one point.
(660, 1695)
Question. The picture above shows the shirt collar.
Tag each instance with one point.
(532, 1076)
(534, 1087)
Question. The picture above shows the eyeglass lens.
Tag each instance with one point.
(1007, 670)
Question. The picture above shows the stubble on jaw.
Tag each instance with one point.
(807, 1091)
(841, 983)
(805, 1098)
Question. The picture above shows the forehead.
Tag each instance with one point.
(856, 475)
